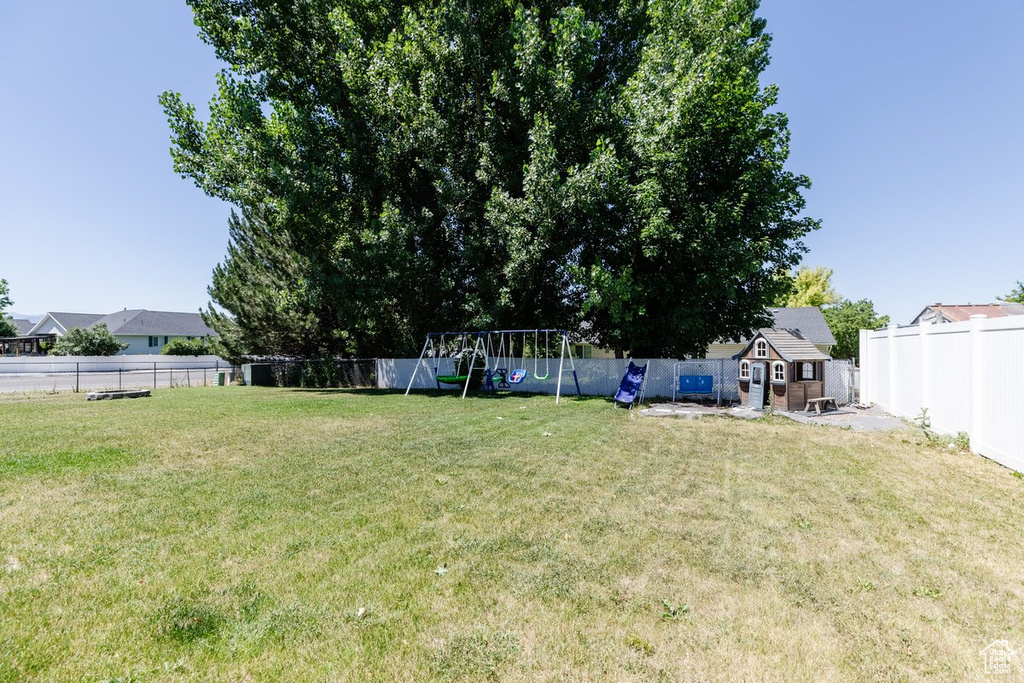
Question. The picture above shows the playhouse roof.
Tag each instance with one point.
(789, 344)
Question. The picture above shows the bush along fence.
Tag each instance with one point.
(963, 377)
(601, 377)
(319, 373)
(88, 373)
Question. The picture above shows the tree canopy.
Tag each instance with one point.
(1016, 295)
(95, 341)
(809, 287)
(7, 327)
(613, 166)
(846, 319)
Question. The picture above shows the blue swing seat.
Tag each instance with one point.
(517, 376)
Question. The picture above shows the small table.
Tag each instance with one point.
(818, 403)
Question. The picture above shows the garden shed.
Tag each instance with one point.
(782, 369)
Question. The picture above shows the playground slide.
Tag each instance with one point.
(631, 383)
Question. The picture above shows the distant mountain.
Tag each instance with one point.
(22, 316)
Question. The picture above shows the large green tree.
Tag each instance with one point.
(263, 282)
(846, 319)
(7, 326)
(460, 163)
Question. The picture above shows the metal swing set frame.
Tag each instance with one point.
(482, 345)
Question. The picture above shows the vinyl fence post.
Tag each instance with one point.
(925, 358)
(977, 435)
(76, 378)
(119, 378)
(154, 374)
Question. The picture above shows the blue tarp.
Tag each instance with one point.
(696, 384)
(630, 384)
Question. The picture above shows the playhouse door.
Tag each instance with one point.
(755, 399)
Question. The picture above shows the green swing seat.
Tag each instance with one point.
(452, 379)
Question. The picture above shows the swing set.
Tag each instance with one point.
(455, 356)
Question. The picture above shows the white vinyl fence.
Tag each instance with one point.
(601, 377)
(968, 376)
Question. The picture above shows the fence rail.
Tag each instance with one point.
(967, 375)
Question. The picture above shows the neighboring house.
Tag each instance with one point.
(24, 343)
(808, 322)
(144, 331)
(946, 313)
(22, 325)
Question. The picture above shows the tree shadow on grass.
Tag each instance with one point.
(439, 394)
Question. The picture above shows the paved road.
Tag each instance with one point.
(92, 381)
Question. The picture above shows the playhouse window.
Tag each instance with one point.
(761, 348)
(778, 372)
(807, 371)
(745, 369)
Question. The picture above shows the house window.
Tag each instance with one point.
(761, 349)
(154, 341)
(807, 371)
(778, 372)
(165, 340)
(583, 351)
(745, 369)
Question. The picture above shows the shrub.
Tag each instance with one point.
(96, 341)
(179, 346)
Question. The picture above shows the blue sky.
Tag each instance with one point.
(906, 116)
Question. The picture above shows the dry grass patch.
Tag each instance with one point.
(229, 533)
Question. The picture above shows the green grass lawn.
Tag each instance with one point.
(272, 534)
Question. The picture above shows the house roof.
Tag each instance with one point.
(808, 320)
(68, 320)
(953, 313)
(22, 325)
(789, 344)
(143, 322)
(138, 322)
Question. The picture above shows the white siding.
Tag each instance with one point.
(48, 326)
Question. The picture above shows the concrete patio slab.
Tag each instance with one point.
(847, 417)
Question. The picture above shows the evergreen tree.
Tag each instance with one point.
(7, 327)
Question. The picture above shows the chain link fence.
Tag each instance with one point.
(345, 373)
(57, 376)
